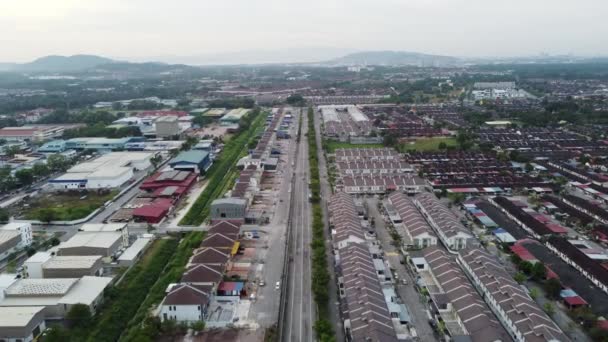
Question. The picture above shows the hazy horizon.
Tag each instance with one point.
(295, 31)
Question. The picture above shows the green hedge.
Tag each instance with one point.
(320, 272)
(221, 168)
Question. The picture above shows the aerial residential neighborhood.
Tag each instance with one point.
(321, 171)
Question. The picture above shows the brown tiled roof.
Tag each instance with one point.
(186, 294)
(364, 302)
(455, 287)
(225, 227)
(525, 314)
(413, 221)
(202, 273)
(210, 255)
(218, 240)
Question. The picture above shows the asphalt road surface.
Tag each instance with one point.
(299, 316)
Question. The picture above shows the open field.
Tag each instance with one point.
(427, 144)
(332, 145)
(60, 206)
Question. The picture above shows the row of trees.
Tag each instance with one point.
(320, 273)
(25, 177)
(221, 167)
(101, 130)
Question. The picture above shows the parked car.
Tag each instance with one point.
(277, 285)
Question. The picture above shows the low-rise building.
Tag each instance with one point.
(228, 209)
(413, 228)
(21, 324)
(185, 303)
(9, 243)
(32, 267)
(57, 296)
(167, 126)
(109, 171)
(92, 243)
(73, 266)
(54, 146)
(445, 223)
(197, 161)
(23, 228)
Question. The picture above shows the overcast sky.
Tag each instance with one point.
(155, 29)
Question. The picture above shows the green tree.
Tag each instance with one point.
(519, 277)
(197, 326)
(57, 162)
(25, 176)
(442, 146)
(534, 293)
(296, 100)
(526, 267)
(529, 167)
(156, 160)
(549, 308)
(46, 215)
(55, 241)
(552, 287)
(11, 151)
(4, 215)
(40, 170)
(79, 316)
(539, 271)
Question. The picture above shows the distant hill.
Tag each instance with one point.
(62, 63)
(395, 58)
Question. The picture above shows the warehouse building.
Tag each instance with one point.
(131, 254)
(72, 266)
(32, 267)
(9, 243)
(122, 228)
(92, 243)
(100, 144)
(197, 161)
(109, 171)
(23, 228)
(24, 324)
(228, 209)
(57, 296)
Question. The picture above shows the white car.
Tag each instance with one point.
(262, 283)
(277, 285)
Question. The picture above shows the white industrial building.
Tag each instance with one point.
(24, 228)
(21, 324)
(92, 243)
(122, 228)
(32, 267)
(109, 171)
(57, 296)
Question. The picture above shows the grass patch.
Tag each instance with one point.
(428, 144)
(62, 206)
(331, 145)
(139, 327)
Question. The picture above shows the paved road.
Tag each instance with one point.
(326, 192)
(408, 294)
(299, 316)
(265, 309)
